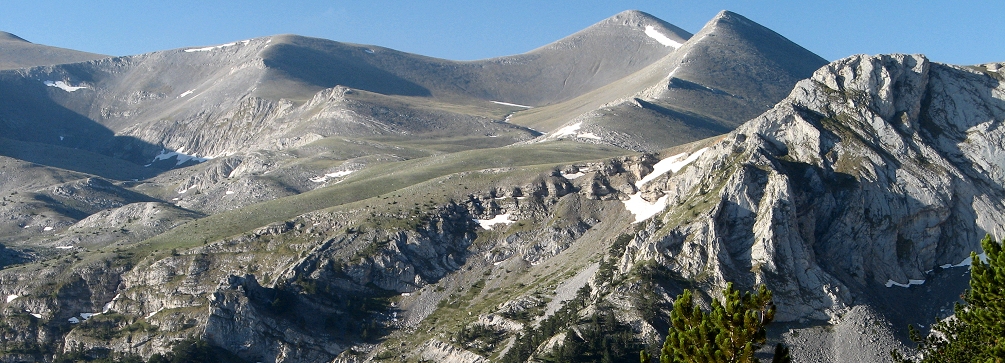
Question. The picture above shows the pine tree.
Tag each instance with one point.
(731, 332)
(977, 332)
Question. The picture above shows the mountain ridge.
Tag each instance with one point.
(290, 199)
(20, 53)
(686, 97)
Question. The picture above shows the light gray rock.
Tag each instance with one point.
(876, 169)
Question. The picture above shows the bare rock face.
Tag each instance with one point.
(873, 172)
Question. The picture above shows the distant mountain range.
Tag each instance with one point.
(294, 199)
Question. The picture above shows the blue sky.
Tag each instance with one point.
(961, 32)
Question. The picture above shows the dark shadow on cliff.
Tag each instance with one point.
(37, 129)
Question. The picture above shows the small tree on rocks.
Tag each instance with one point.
(731, 332)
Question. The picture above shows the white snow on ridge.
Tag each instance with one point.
(64, 247)
(642, 209)
(206, 49)
(891, 283)
(511, 104)
(499, 219)
(180, 154)
(588, 135)
(186, 93)
(63, 86)
(662, 39)
(12, 298)
(673, 163)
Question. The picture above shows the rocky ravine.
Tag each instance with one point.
(874, 172)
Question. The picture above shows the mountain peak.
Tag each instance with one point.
(8, 37)
(730, 19)
(732, 43)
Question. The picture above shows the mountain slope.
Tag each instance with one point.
(364, 204)
(730, 71)
(288, 91)
(16, 52)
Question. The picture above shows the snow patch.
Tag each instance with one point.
(63, 86)
(154, 313)
(368, 50)
(568, 130)
(64, 247)
(86, 316)
(12, 298)
(337, 174)
(573, 175)
(186, 93)
(499, 219)
(588, 135)
(206, 49)
(180, 154)
(229, 192)
(673, 163)
(642, 209)
(891, 283)
(967, 261)
(73, 320)
(47, 229)
(511, 104)
(662, 39)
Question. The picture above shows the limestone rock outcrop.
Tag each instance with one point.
(875, 171)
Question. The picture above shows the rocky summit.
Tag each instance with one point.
(293, 199)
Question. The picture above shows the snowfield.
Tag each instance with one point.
(891, 283)
(662, 39)
(206, 49)
(180, 154)
(641, 208)
(573, 175)
(499, 219)
(568, 130)
(511, 104)
(337, 174)
(64, 86)
(673, 163)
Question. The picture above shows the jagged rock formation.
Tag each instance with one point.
(875, 171)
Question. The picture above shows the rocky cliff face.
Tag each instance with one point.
(874, 172)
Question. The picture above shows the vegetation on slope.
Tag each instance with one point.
(731, 332)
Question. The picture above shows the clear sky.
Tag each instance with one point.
(960, 32)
